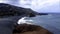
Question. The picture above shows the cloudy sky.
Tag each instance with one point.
(37, 5)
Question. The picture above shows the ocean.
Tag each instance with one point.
(50, 22)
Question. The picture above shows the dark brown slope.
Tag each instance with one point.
(30, 29)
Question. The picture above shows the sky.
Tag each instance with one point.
(45, 6)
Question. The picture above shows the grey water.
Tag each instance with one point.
(50, 22)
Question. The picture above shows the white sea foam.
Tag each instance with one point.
(23, 20)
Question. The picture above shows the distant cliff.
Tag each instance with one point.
(10, 10)
(43, 13)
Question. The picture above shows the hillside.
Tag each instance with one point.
(11, 10)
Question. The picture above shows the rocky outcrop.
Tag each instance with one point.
(30, 29)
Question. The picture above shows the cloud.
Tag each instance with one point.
(41, 5)
(1, 1)
(51, 7)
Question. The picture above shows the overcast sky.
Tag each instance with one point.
(37, 5)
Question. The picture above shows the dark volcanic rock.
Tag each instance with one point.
(7, 10)
(30, 29)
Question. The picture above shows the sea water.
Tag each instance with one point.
(50, 22)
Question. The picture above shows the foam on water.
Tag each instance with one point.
(23, 20)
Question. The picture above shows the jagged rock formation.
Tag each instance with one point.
(10, 10)
(30, 29)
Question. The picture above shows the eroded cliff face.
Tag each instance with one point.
(30, 29)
